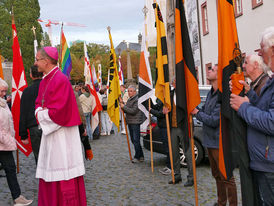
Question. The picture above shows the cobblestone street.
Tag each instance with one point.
(111, 179)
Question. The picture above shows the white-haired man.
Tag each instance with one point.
(134, 118)
(254, 70)
(258, 112)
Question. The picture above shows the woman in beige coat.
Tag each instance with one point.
(7, 145)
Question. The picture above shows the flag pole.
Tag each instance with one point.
(170, 148)
(60, 52)
(193, 160)
(17, 152)
(17, 160)
(129, 151)
(150, 135)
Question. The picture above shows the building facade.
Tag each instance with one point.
(252, 18)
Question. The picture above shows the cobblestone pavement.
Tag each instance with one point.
(111, 179)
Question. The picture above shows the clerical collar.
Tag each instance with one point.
(49, 72)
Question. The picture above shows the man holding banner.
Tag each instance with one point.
(134, 118)
(258, 113)
(178, 137)
(209, 114)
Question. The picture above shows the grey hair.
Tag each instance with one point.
(132, 87)
(256, 58)
(268, 37)
(3, 83)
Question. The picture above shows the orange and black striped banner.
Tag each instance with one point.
(232, 143)
(187, 90)
(227, 37)
(162, 90)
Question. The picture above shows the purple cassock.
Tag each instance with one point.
(56, 94)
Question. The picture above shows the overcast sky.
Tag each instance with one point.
(125, 17)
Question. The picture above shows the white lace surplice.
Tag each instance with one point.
(60, 154)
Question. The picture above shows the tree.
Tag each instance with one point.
(98, 54)
(77, 71)
(152, 62)
(134, 60)
(26, 13)
(45, 40)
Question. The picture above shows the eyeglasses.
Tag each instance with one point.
(39, 59)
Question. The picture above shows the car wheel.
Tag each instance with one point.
(198, 151)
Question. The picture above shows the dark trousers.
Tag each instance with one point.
(164, 139)
(7, 161)
(35, 139)
(226, 189)
(177, 139)
(265, 187)
(134, 131)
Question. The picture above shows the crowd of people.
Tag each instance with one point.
(56, 128)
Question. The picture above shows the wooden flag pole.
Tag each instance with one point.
(128, 144)
(17, 160)
(150, 134)
(170, 148)
(193, 160)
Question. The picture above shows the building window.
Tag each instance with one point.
(204, 18)
(238, 8)
(256, 3)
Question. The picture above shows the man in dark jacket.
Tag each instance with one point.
(258, 112)
(134, 118)
(209, 114)
(27, 117)
(178, 139)
(157, 111)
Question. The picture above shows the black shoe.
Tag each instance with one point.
(177, 180)
(189, 183)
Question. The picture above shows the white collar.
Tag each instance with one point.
(49, 72)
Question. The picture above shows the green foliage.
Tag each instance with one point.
(152, 61)
(45, 40)
(26, 13)
(98, 54)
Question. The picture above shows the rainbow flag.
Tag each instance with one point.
(66, 63)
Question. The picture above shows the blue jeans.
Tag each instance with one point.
(265, 187)
(134, 131)
(104, 122)
(88, 127)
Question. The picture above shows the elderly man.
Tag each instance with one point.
(134, 119)
(258, 112)
(254, 70)
(60, 167)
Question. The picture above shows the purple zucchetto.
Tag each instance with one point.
(52, 52)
